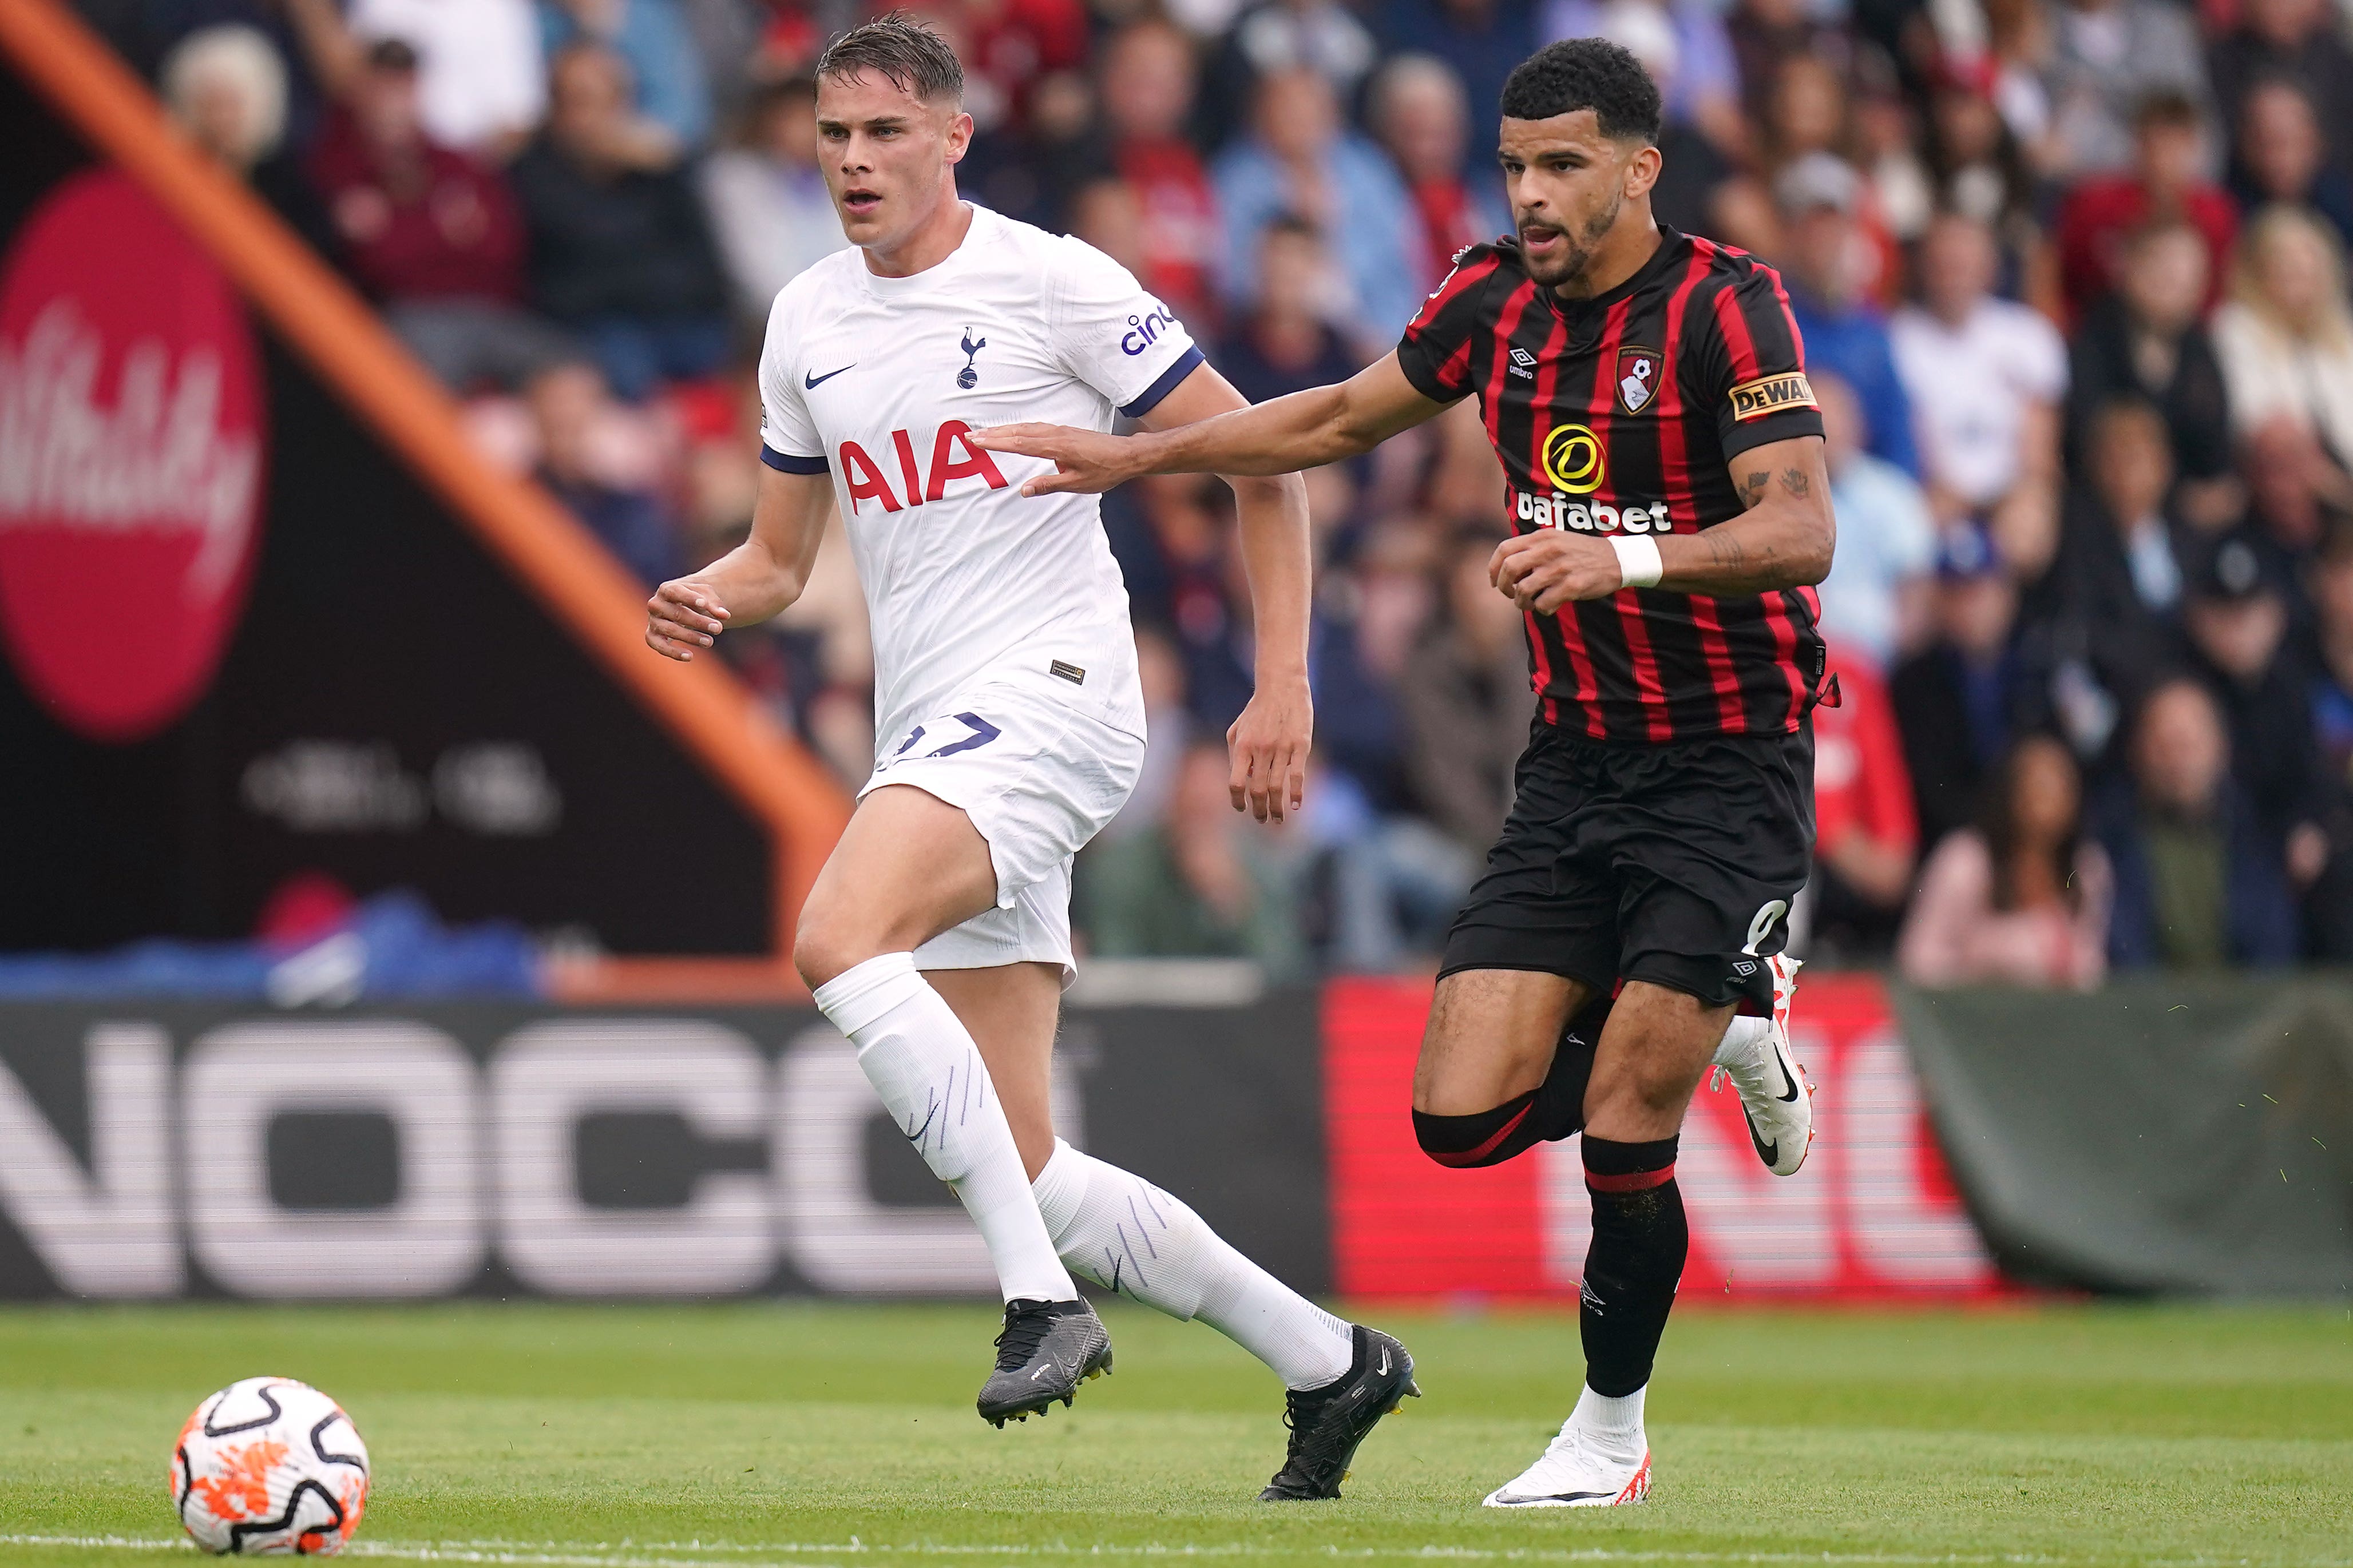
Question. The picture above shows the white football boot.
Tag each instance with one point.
(1572, 1473)
(1775, 1094)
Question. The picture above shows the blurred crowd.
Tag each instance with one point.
(2071, 274)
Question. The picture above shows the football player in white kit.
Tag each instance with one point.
(1010, 721)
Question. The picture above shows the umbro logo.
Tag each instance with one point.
(1523, 363)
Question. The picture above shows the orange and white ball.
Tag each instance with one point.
(270, 1465)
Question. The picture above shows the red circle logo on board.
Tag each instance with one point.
(131, 460)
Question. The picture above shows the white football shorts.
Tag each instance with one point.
(1039, 778)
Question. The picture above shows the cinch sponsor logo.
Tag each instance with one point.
(1574, 462)
(1145, 330)
(865, 478)
(1769, 394)
(1591, 517)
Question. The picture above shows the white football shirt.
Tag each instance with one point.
(879, 379)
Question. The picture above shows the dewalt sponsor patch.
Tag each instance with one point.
(1770, 395)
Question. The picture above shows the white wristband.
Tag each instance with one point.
(1638, 560)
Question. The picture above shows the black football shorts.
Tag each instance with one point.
(1674, 864)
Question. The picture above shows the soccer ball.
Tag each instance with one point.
(270, 1465)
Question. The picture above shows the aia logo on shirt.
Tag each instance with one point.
(917, 485)
(1638, 378)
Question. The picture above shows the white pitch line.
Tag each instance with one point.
(630, 1555)
(401, 1552)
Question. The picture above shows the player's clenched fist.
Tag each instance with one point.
(1546, 569)
(682, 615)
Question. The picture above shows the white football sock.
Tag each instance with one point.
(1739, 1042)
(1612, 1426)
(1126, 1235)
(922, 1061)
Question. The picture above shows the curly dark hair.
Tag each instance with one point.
(915, 59)
(1585, 73)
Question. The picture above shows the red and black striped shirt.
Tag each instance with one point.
(1621, 413)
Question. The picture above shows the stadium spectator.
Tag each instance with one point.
(2107, 59)
(1979, 166)
(2280, 156)
(1884, 144)
(2114, 598)
(2021, 897)
(1168, 736)
(1700, 87)
(1829, 266)
(1479, 41)
(1107, 215)
(227, 87)
(1806, 111)
(1958, 700)
(145, 32)
(2237, 615)
(664, 68)
(1417, 111)
(1323, 37)
(1148, 82)
(568, 404)
(1985, 377)
(1011, 49)
(1465, 699)
(619, 249)
(1867, 830)
(2291, 41)
(2328, 906)
(2020, 39)
(1029, 168)
(726, 35)
(2146, 340)
(2292, 483)
(1300, 159)
(1877, 600)
(482, 76)
(431, 233)
(2197, 885)
(766, 196)
(2167, 179)
(1207, 883)
(1287, 343)
(1765, 33)
(2285, 334)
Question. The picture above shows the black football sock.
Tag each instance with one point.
(1552, 1111)
(1639, 1242)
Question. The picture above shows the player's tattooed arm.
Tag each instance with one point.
(1795, 483)
(751, 582)
(1783, 539)
(1281, 436)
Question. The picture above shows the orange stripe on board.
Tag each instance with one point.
(768, 773)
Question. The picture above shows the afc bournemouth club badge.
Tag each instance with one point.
(1638, 378)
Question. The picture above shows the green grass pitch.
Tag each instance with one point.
(779, 1433)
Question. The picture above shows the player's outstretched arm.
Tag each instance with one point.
(1281, 436)
(1783, 540)
(751, 582)
(1267, 747)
